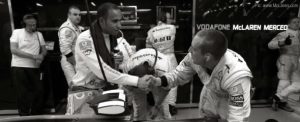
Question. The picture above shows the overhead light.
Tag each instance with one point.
(93, 4)
(143, 10)
(39, 4)
(236, 1)
(249, 3)
(257, 1)
(205, 13)
(265, 0)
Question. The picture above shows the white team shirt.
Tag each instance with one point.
(88, 69)
(162, 38)
(224, 94)
(27, 42)
(293, 49)
(149, 55)
(67, 35)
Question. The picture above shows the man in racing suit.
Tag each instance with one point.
(288, 64)
(68, 33)
(137, 64)
(224, 73)
(89, 75)
(162, 38)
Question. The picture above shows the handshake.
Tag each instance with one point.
(148, 81)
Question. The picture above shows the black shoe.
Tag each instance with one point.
(173, 110)
(285, 106)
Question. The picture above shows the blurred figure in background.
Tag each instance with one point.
(28, 51)
(67, 34)
(162, 38)
(288, 64)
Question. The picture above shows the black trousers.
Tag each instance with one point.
(29, 89)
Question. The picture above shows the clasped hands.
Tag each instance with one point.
(148, 81)
(38, 58)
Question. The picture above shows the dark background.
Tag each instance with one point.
(252, 45)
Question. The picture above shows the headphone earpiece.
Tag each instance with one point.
(28, 16)
(23, 23)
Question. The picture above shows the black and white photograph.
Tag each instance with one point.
(150, 61)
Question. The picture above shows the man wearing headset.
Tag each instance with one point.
(68, 33)
(28, 51)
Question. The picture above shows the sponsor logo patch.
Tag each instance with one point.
(236, 96)
(237, 100)
(86, 47)
(237, 90)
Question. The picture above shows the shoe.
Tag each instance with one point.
(173, 110)
(285, 106)
(275, 103)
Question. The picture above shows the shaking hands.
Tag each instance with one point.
(148, 81)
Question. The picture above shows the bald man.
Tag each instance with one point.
(224, 73)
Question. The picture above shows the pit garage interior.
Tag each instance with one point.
(190, 16)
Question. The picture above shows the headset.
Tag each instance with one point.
(28, 16)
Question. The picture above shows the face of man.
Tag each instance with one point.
(74, 16)
(112, 23)
(169, 18)
(30, 25)
(197, 56)
(294, 24)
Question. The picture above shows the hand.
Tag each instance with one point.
(118, 58)
(71, 60)
(38, 62)
(38, 57)
(155, 81)
(288, 40)
(144, 82)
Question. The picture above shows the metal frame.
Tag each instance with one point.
(299, 10)
(135, 14)
(11, 15)
(173, 10)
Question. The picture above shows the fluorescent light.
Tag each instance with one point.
(93, 4)
(143, 10)
(39, 4)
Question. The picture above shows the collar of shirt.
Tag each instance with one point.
(74, 26)
(107, 41)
